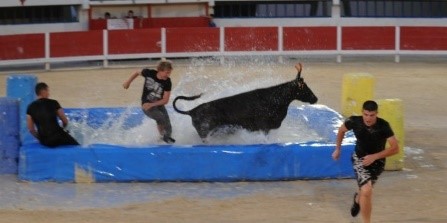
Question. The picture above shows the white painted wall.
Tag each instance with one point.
(14, 3)
(127, 2)
(9, 3)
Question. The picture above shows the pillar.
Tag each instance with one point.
(392, 111)
(357, 88)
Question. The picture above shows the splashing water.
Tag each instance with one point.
(114, 133)
(214, 82)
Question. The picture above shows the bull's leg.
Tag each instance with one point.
(266, 131)
(203, 128)
(205, 140)
(203, 134)
(202, 131)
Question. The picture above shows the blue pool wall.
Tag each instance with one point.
(192, 163)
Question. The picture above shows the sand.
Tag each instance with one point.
(416, 194)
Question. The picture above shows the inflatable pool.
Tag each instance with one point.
(194, 162)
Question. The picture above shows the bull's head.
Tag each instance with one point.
(305, 94)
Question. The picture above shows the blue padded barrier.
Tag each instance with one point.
(105, 163)
(9, 135)
(21, 86)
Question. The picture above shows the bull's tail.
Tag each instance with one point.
(184, 98)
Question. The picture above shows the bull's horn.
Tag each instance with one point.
(298, 67)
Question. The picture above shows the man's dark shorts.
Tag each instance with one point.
(364, 174)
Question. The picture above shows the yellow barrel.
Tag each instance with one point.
(357, 88)
(392, 111)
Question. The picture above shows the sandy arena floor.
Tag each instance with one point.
(416, 194)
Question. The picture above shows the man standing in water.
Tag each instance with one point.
(156, 93)
(368, 160)
(43, 113)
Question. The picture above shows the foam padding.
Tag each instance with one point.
(21, 86)
(260, 162)
(102, 163)
(9, 135)
(357, 88)
(392, 111)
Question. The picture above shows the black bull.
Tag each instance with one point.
(257, 110)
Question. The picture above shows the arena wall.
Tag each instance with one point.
(224, 41)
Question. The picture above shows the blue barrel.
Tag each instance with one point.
(9, 135)
(21, 86)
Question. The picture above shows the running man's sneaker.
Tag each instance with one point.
(355, 209)
(168, 139)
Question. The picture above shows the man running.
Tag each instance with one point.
(156, 93)
(43, 114)
(368, 160)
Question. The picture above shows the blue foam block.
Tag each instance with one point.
(9, 147)
(9, 135)
(21, 86)
(8, 165)
(261, 162)
(9, 117)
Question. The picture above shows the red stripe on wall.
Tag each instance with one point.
(368, 38)
(192, 39)
(97, 24)
(141, 23)
(423, 38)
(76, 44)
(179, 22)
(251, 38)
(25, 46)
(310, 38)
(144, 23)
(135, 41)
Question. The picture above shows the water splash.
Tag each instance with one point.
(115, 131)
(214, 82)
(413, 151)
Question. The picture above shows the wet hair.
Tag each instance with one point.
(41, 86)
(370, 106)
(164, 65)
